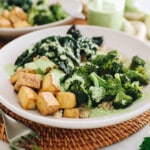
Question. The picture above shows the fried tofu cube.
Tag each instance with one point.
(71, 113)
(27, 97)
(5, 13)
(47, 103)
(28, 79)
(5, 23)
(17, 14)
(21, 24)
(66, 99)
(16, 75)
(49, 84)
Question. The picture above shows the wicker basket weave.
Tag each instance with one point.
(52, 138)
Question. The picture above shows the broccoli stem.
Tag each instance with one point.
(97, 80)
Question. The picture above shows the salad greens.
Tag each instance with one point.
(106, 78)
(66, 52)
(39, 12)
(93, 77)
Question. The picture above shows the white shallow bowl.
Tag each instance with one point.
(10, 33)
(127, 45)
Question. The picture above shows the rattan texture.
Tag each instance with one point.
(52, 138)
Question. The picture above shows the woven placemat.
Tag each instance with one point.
(52, 138)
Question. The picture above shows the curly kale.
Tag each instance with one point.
(74, 32)
(64, 51)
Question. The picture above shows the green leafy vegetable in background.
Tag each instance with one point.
(39, 12)
(145, 145)
(8, 4)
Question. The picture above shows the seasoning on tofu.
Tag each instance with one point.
(27, 97)
(66, 99)
(47, 103)
(49, 84)
(28, 79)
(72, 113)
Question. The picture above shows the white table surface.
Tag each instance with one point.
(130, 143)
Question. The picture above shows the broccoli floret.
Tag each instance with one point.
(122, 100)
(77, 85)
(136, 62)
(137, 71)
(133, 90)
(40, 13)
(86, 69)
(108, 83)
(97, 80)
(107, 88)
(111, 88)
(58, 12)
(98, 60)
(124, 78)
(79, 90)
(97, 91)
(110, 63)
(96, 95)
(134, 75)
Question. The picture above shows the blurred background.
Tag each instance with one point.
(130, 16)
(135, 15)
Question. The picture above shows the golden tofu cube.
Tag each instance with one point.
(71, 113)
(47, 103)
(49, 84)
(27, 97)
(5, 23)
(28, 79)
(21, 24)
(16, 75)
(17, 14)
(5, 13)
(66, 99)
